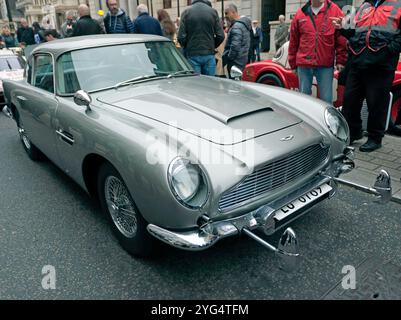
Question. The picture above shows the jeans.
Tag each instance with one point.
(203, 64)
(324, 77)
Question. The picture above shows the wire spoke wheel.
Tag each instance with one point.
(120, 206)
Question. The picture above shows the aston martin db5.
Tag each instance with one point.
(174, 155)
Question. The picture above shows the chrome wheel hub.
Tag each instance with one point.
(120, 206)
(24, 138)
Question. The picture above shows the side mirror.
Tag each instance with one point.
(82, 98)
(236, 73)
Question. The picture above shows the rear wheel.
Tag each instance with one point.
(126, 221)
(270, 79)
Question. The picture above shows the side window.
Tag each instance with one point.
(43, 73)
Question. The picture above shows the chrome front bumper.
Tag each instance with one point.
(269, 218)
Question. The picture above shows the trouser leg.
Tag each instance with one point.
(324, 77)
(305, 78)
(353, 99)
(378, 86)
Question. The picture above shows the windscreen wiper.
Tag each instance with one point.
(181, 72)
(136, 79)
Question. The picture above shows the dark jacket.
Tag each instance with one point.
(375, 40)
(238, 42)
(86, 26)
(25, 35)
(200, 29)
(120, 23)
(9, 41)
(146, 24)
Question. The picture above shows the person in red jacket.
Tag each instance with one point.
(374, 42)
(315, 46)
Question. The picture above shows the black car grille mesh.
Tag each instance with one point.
(274, 175)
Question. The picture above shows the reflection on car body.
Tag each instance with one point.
(173, 155)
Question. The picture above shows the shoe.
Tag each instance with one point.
(359, 136)
(370, 145)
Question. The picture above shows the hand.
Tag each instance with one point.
(340, 67)
(337, 22)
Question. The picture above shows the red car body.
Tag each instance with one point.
(277, 72)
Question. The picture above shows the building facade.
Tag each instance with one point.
(265, 11)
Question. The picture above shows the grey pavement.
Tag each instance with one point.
(368, 165)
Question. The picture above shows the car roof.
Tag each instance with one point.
(60, 46)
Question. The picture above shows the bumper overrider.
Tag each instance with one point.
(274, 216)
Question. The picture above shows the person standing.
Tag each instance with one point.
(66, 27)
(116, 20)
(8, 38)
(315, 45)
(25, 34)
(199, 35)
(374, 42)
(256, 40)
(238, 41)
(168, 26)
(145, 23)
(281, 35)
(85, 24)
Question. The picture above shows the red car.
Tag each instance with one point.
(277, 72)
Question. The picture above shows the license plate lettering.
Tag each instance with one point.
(302, 201)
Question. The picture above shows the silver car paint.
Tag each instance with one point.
(119, 133)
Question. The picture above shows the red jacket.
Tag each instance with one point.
(318, 46)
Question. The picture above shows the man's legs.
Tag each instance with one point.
(353, 99)
(195, 63)
(305, 78)
(258, 52)
(378, 86)
(324, 77)
(208, 66)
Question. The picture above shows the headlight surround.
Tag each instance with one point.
(188, 183)
(337, 124)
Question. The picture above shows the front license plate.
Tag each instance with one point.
(302, 201)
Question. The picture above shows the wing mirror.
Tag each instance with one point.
(236, 73)
(82, 98)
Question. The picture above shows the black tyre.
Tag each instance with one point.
(127, 223)
(33, 152)
(270, 79)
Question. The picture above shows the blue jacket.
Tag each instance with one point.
(146, 24)
(120, 23)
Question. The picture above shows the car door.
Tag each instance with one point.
(39, 104)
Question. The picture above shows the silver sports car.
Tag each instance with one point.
(173, 155)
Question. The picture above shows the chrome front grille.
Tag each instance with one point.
(274, 175)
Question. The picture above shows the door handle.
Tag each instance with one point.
(22, 98)
(65, 136)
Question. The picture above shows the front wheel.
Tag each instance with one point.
(270, 79)
(126, 221)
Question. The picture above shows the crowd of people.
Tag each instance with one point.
(208, 43)
(365, 50)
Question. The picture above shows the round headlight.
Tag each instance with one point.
(337, 124)
(187, 183)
